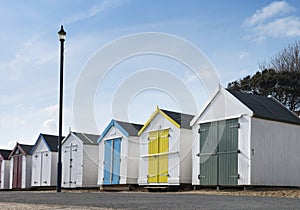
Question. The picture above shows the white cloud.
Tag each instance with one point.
(243, 55)
(95, 10)
(273, 9)
(274, 20)
(49, 127)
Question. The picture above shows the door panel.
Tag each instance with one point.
(17, 172)
(66, 166)
(219, 153)
(36, 172)
(228, 156)
(107, 161)
(45, 168)
(116, 161)
(208, 160)
(163, 160)
(75, 165)
(158, 161)
(153, 160)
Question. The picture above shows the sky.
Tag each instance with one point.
(233, 36)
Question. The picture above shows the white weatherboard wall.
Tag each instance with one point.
(5, 170)
(129, 155)
(26, 171)
(83, 159)
(179, 162)
(224, 106)
(275, 158)
(44, 164)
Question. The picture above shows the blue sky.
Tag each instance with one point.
(234, 35)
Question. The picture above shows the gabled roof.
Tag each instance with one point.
(180, 120)
(23, 148)
(266, 107)
(5, 153)
(127, 129)
(51, 142)
(87, 138)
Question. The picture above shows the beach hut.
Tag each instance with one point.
(79, 160)
(20, 167)
(119, 154)
(44, 161)
(4, 168)
(242, 139)
(165, 149)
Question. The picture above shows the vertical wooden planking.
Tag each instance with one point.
(153, 160)
(116, 161)
(208, 174)
(163, 147)
(228, 156)
(107, 161)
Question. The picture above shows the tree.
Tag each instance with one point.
(279, 77)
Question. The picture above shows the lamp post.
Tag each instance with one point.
(62, 36)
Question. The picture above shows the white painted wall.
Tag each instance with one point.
(26, 171)
(186, 141)
(90, 165)
(131, 161)
(275, 159)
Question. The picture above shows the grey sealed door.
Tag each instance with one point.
(219, 153)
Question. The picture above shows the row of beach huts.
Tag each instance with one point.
(238, 139)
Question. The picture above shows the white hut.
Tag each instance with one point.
(79, 160)
(20, 167)
(4, 168)
(119, 154)
(44, 161)
(165, 149)
(244, 139)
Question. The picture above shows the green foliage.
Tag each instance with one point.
(279, 77)
(282, 85)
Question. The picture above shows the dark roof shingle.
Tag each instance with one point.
(131, 128)
(266, 108)
(5, 153)
(182, 119)
(87, 138)
(52, 142)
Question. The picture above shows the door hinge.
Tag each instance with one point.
(235, 176)
(200, 177)
(235, 126)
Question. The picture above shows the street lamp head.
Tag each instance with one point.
(62, 34)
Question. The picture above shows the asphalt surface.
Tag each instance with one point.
(143, 200)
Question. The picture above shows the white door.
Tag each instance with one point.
(66, 166)
(36, 169)
(46, 168)
(74, 165)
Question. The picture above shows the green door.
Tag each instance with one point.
(208, 159)
(228, 153)
(219, 153)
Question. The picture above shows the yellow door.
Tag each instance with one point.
(158, 149)
(153, 160)
(163, 158)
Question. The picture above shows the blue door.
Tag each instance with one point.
(116, 162)
(107, 161)
(112, 160)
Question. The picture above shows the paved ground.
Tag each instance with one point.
(138, 200)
